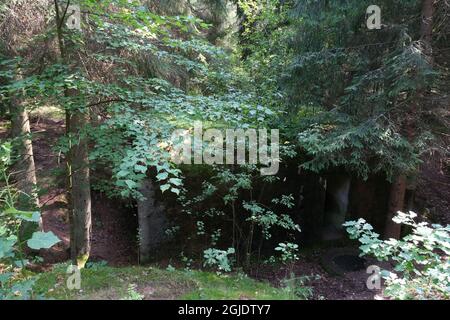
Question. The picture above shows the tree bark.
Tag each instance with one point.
(80, 193)
(396, 203)
(24, 169)
(77, 164)
(152, 221)
(426, 30)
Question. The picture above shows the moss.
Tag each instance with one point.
(81, 260)
(234, 287)
(103, 282)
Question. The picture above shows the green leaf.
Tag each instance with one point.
(162, 176)
(131, 184)
(176, 181)
(165, 187)
(31, 216)
(42, 240)
(139, 168)
(4, 277)
(21, 263)
(6, 246)
(122, 174)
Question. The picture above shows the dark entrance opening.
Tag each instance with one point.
(336, 205)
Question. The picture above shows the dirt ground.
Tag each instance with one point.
(112, 240)
(347, 286)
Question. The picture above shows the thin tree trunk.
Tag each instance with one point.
(80, 199)
(77, 163)
(426, 29)
(24, 170)
(145, 207)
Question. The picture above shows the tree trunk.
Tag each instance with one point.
(80, 193)
(426, 29)
(398, 189)
(77, 162)
(396, 203)
(152, 221)
(24, 170)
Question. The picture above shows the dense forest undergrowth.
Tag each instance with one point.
(114, 245)
(114, 249)
(224, 149)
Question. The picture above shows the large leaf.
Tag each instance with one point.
(42, 240)
(5, 277)
(31, 216)
(165, 187)
(22, 290)
(162, 176)
(6, 246)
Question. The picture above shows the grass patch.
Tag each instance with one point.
(103, 282)
(233, 287)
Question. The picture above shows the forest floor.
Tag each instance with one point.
(112, 237)
(114, 229)
(100, 282)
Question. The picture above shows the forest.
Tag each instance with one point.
(224, 150)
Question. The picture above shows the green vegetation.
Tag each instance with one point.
(13, 236)
(422, 266)
(103, 282)
(122, 77)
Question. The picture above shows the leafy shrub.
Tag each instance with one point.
(288, 252)
(133, 294)
(235, 198)
(13, 282)
(297, 287)
(421, 258)
(289, 255)
(218, 259)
